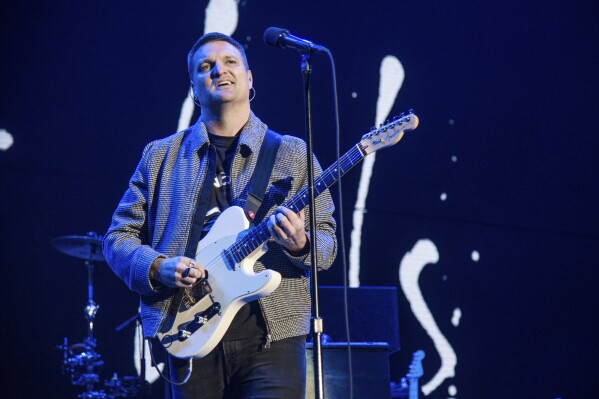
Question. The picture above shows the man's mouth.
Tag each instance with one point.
(224, 83)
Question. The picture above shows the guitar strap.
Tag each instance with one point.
(202, 206)
(262, 172)
(258, 183)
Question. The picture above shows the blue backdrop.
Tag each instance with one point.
(503, 166)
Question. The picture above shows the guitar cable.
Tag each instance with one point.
(166, 363)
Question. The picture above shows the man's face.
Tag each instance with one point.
(219, 75)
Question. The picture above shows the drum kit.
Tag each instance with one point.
(81, 361)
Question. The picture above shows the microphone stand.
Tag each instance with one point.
(317, 328)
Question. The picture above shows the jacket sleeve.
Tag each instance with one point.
(326, 240)
(126, 243)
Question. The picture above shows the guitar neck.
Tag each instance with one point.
(413, 391)
(260, 233)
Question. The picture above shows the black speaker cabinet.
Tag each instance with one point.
(370, 365)
(373, 314)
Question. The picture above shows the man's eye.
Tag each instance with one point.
(204, 67)
(231, 62)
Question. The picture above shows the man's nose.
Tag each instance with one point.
(217, 69)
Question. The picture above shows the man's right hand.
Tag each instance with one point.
(176, 272)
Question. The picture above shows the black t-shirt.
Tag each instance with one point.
(248, 322)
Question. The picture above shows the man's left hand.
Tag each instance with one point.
(288, 229)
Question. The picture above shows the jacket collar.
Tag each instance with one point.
(251, 135)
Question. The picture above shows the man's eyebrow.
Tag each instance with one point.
(211, 58)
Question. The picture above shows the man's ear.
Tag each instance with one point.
(250, 79)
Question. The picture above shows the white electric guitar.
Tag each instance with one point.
(200, 316)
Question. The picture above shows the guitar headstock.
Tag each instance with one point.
(415, 370)
(389, 133)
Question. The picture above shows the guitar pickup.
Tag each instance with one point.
(186, 329)
(212, 311)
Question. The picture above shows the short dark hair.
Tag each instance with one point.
(215, 37)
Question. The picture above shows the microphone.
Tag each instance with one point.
(278, 37)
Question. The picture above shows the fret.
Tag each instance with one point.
(260, 233)
(381, 137)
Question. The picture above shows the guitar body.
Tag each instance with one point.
(231, 287)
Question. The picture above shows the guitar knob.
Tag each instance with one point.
(184, 334)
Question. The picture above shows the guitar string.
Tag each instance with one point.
(238, 247)
(350, 159)
(239, 250)
(353, 156)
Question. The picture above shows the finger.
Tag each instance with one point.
(273, 228)
(193, 270)
(290, 222)
(200, 272)
(185, 267)
(294, 219)
(284, 228)
(274, 223)
(280, 219)
(285, 211)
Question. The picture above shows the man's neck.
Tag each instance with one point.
(227, 121)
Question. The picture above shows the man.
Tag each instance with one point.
(262, 353)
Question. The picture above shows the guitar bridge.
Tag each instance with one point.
(198, 291)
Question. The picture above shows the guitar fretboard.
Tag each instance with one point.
(255, 237)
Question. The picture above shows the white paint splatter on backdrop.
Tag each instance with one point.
(6, 140)
(391, 80)
(423, 253)
(221, 16)
(457, 315)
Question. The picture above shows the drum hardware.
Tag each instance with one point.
(80, 361)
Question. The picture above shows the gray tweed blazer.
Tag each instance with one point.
(154, 219)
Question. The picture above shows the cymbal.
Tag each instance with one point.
(83, 247)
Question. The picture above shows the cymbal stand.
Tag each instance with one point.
(90, 311)
(81, 366)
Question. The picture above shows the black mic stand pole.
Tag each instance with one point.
(317, 329)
